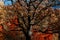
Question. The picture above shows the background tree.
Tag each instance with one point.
(33, 13)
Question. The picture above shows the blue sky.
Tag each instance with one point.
(57, 2)
(8, 2)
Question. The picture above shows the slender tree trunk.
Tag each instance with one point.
(28, 29)
(27, 36)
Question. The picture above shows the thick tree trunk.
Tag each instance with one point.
(28, 37)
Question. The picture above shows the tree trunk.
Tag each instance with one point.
(27, 36)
